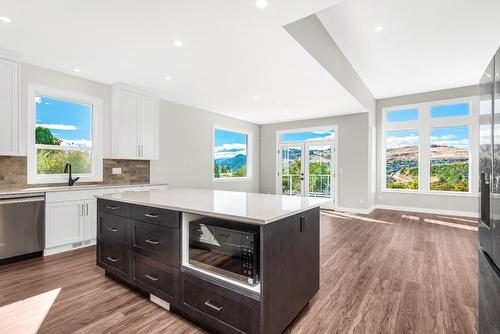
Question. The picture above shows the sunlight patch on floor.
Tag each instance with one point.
(410, 217)
(26, 316)
(443, 223)
(343, 215)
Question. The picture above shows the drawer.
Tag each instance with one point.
(158, 242)
(155, 277)
(114, 258)
(219, 303)
(114, 208)
(157, 216)
(114, 229)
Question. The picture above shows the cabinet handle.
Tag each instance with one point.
(152, 242)
(142, 151)
(302, 223)
(82, 212)
(150, 215)
(112, 207)
(153, 278)
(86, 209)
(213, 305)
(112, 259)
(138, 150)
(113, 229)
(224, 235)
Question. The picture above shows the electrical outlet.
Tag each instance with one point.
(116, 171)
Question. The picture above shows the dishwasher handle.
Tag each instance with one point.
(21, 200)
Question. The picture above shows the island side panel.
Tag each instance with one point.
(290, 268)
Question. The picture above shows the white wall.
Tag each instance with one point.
(445, 203)
(186, 149)
(353, 157)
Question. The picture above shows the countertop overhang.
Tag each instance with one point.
(238, 206)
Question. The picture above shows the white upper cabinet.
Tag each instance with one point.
(134, 124)
(9, 106)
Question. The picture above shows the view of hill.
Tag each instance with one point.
(233, 163)
(410, 153)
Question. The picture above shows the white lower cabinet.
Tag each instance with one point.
(65, 223)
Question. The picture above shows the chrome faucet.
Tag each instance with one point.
(71, 180)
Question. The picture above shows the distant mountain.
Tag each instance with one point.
(438, 152)
(233, 163)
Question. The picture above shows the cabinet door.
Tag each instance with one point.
(128, 141)
(9, 107)
(148, 127)
(64, 223)
(90, 227)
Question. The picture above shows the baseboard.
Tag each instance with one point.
(409, 209)
(425, 210)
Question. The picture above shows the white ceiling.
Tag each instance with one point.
(232, 51)
(425, 45)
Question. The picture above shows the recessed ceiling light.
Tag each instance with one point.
(168, 77)
(261, 4)
(400, 90)
(256, 97)
(379, 28)
(178, 43)
(5, 19)
(77, 70)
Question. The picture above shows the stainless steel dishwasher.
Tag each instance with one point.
(22, 226)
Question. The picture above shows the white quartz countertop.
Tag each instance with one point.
(34, 189)
(240, 206)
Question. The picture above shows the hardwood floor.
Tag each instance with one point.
(387, 272)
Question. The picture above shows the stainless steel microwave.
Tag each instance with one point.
(225, 248)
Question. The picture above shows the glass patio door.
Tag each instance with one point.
(319, 169)
(307, 169)
(292, 169)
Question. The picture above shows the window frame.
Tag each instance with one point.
(97, 132)
(249, 135)
(424, 125)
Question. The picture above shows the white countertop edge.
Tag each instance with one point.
(31, 190)
(241, 219)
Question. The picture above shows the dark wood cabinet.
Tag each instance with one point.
(155, 277)
(157, 242)
(141, 247)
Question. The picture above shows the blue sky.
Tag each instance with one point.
(307, 136)
(449, 110)
(229, 144)
(68, 121)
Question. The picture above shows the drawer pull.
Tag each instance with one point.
(151, 277)
(112, 259)
(152, 242)
(113, 229)
(224, 235)
(112, 207)
(150, 215)
(213, 306)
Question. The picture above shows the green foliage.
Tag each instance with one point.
(240, 172)
(221, 171)
(450, 176)
(53, 161)
(410, 174)
(44, 136)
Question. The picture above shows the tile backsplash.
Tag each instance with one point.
(13, 172)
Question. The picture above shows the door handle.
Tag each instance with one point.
(112, 259)
(152, 242)
(150, 215)
(213, 305)
(151, 277)
(113, 229)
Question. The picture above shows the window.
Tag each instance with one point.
(319, 135)
(403, 115)
(230, 154)
(427, 147)
(63, 129)
(402, 156)
(450, 159)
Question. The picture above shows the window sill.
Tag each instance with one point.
(231, 179)
(436, 193)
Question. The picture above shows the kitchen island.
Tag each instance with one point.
(231, 262)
